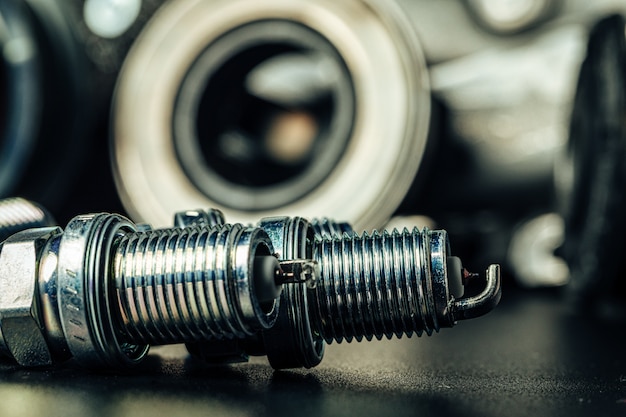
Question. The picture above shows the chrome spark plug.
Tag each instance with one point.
(102, 292)
(369, 286)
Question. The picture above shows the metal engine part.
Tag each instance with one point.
(102, 292)
(368, 286)
(276, 106)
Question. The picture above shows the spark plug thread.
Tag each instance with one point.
(102, 292)
(379, 285)
(179, 285)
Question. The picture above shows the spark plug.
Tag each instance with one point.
(102, 292)
(387, 284)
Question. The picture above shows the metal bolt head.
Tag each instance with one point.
(20, 322)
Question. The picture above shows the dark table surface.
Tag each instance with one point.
(530, 356)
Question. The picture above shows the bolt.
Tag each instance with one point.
(368, 286)
(104, 291)
(17, 214)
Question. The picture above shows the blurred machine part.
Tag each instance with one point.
(307, 107)
(54, 92)
(507, 116)
(532, 252)
(506, 100)
(511, 16)
(58, 63)
(18, 79)
(591, 176)
(464, 36)
(43, 110)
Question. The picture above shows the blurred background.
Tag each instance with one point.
(501, 121)
(448, 114)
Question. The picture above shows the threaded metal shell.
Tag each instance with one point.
(375, 286)
(17, 214)
(181, 285)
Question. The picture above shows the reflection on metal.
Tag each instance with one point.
(17, 214)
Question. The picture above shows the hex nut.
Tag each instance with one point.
(20, 321)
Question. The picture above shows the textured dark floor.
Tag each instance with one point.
(529, 357)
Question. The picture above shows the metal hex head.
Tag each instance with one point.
(20, 323)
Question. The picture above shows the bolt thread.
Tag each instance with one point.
(179, 285)
(17, 214)
(374, 286)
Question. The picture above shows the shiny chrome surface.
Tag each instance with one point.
(369, 286)
(22, 337)
(18, 214)
(381, 285)
(190, 284)
(101, 291)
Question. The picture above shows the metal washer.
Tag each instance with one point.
(84, 296)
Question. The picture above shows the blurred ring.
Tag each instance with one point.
(19, 94)
(385, 143)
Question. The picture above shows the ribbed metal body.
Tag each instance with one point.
(180, 285)
(18, 214)
(374, 285)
